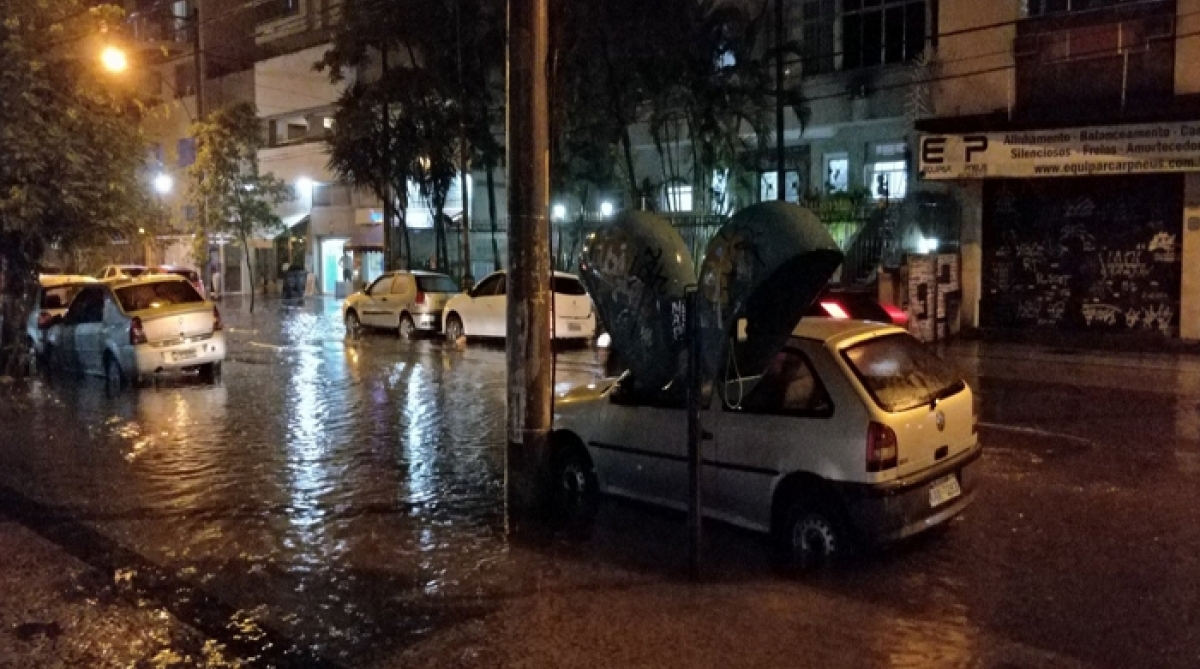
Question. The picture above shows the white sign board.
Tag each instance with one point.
(1128, 149)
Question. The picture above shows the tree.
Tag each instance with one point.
(72, 158)
(240, 200)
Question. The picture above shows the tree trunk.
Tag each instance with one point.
(249, 268)
(20, 289)
(491, 191)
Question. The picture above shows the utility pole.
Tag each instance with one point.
(530, 363)
(780, 162)
(389, 250)
(463, 157)
(198, 74)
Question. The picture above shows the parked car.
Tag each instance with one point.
(54, 296)
(406, 302)
(111, 272)
(856, 432)
(848, 303)
(128, 330)
(483, 310)
(193, 277)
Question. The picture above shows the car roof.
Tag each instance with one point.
(56, 280)
(145, 278)
(834, 330)
(422, 272)
(560, 275)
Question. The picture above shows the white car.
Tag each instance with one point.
(402, 301)
(54, 296)
(855, 433)
(129, 330)
(113, 272)
(483, 310)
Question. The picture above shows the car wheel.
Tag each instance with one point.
(813, 536)
(454, 328)
(114, 378)
(353, 325)
(210, 372)
(575, 481)
(407, 327)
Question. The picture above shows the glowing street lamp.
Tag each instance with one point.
(606, 209)
(163, 183)
(114, 60)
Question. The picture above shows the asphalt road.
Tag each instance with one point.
(339, 503)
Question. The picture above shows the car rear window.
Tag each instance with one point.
(156, 295)
(188, 274)
(568, 286)
(436, 284)
(58, 297)
(901, 373)
(133, 271)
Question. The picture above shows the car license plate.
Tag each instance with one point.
(183, 355)
(944, 490)
(574, 327)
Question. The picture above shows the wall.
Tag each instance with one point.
(1187, 49)
(289, 83)
(961, 54)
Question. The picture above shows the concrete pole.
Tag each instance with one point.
(780, 161)
(530, 360)
(463, 157)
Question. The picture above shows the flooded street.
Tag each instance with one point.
(338, 502)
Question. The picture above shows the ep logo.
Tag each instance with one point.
(933, 149)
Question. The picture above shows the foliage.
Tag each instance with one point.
(238, 200)
(71, 152)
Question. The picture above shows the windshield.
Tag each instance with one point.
(156, 295)
(901, 373)
(436, 284)
(568, 286)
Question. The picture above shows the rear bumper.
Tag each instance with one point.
(430, 321)
(884, 513)
(150, 359)
(574, 328)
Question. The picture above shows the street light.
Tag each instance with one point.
(163, 183)
(606, 209)
(559, 212)
(304, 187)
(114, 60)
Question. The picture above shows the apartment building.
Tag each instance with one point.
(1070, 132)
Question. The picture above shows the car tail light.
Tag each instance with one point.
(217, 324)
(883, 451)
(898, 316)
(137, 334)
(420, 297)
(835, 310)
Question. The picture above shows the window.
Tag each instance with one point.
(887, 176)
(789, 387)
(900, 373)
(767, 181)
(58, 297)
(568, 286)
(87, 307)
(837, 173)
(1043, 7)
(877, 32)
(436, 284)
(491, 286)
(186, 149)
(816, 36)
(380, 286)
(330, 195)
(156, 295)
(678, 198)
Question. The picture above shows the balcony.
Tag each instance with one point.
(1095, 64)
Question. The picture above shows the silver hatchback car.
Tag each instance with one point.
(406, 302)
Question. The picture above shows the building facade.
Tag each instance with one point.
(1069, 131)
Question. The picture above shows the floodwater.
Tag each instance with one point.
(339, 502)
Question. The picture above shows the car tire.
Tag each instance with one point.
(353, 325)
(407, 329)
(210, 372)
(575, 485)
(813, 536)
(454, 328)
(114, 378)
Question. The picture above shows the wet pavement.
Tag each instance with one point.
(339, 503)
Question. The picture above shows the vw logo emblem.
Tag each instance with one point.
(940, 419)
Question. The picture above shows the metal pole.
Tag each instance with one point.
(463, 158)
(780, 162)
(389, 235)
(529, 355)
(695, 387)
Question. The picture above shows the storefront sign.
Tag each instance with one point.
(1127, 149)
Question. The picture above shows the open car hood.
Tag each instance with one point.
(765, 267)
(637, 269)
